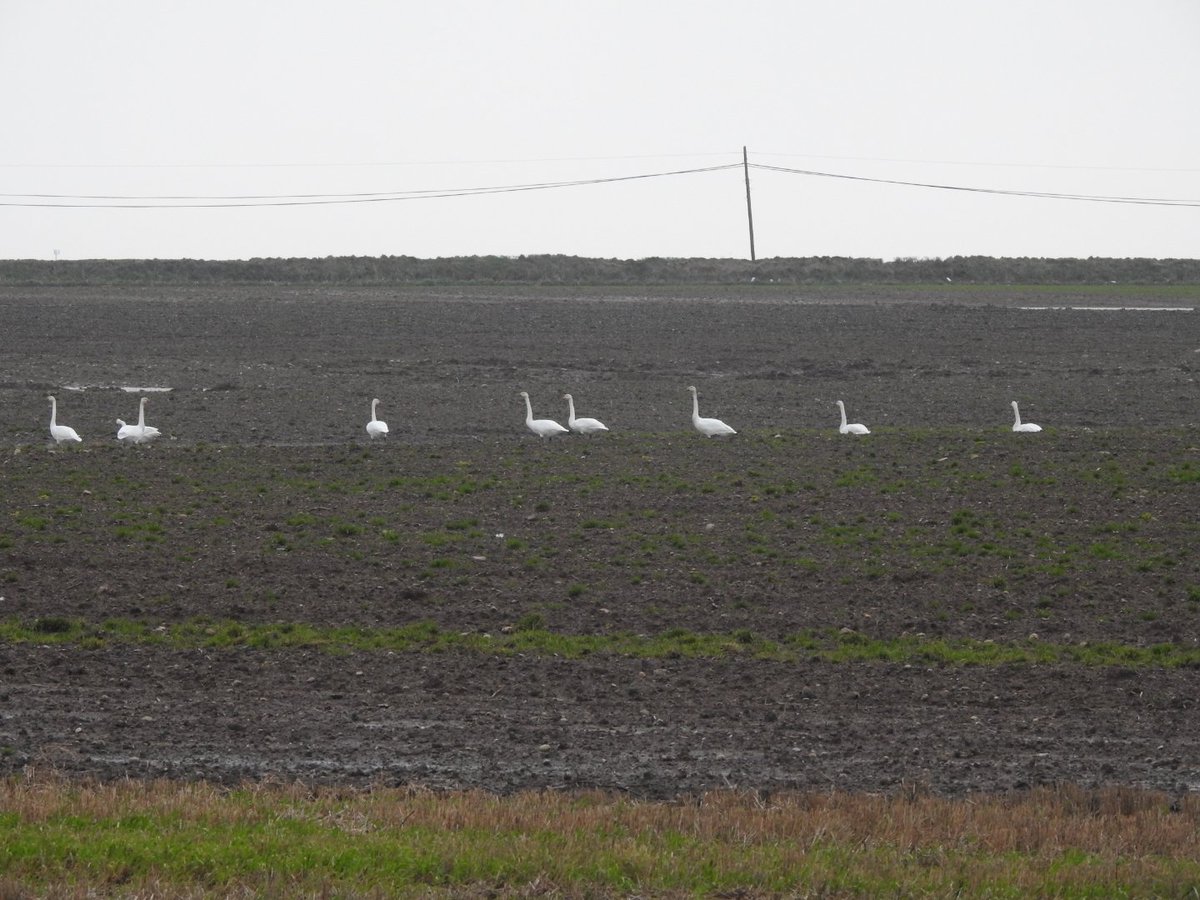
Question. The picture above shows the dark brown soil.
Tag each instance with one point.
(264, 501)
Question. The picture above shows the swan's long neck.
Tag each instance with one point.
(695, 405)
(142, 413)
(374, 403)
(842, 407)
(1016, 414)
(528, 409)
(571, 406)
(53, 412)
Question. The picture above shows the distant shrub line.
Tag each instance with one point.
(425, 637)
(551, 269)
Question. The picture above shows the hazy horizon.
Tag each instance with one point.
(607, 130)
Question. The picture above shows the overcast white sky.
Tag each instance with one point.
(232, 98)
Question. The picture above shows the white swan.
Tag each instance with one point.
(540, 427)
(141, 433)
(853, 427)
(584, 425)
(376, 427)
(60, 433)
(1018, 425)
(707, 427)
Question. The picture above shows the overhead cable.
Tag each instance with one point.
(115, 201)
(1046, 195)
(251, 200)
(362, 164)
(992, 165)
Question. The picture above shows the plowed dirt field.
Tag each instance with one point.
(265, 592)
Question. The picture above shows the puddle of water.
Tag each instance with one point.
(106, 387)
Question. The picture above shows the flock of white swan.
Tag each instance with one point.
(141, 433)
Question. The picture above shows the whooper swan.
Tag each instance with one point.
(1018, 425)
(376, 427)
(60, 433)
(584, 425)
(540, 427)
(707, 427)
(853, 427)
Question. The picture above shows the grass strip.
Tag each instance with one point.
(426, 637)
(182, 838)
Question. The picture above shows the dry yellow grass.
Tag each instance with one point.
(63, 837)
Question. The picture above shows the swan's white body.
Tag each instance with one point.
(584, 425)
(707, 427)
(1018, 425)
(376, 427)
(141, 433)
(540, 427)
(852, 427)
(60, 433)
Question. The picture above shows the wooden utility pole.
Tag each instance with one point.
(749, 210)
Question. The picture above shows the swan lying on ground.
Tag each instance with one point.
(707, 427)
(60, 433)
(853, 427)
(540, 427)
(376, 427)
(1018, 425)
(141, 433)
(584, 425)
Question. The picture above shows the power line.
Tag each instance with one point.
(384, 164)
(252, 200)
(196, 201)
(360, 164)
(985, 164)
(1045, 195)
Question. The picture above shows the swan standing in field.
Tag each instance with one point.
(853, 427)
(540, 427)
(60, 433)
(584, 425)
(376, 427)
(707, 427)
(141, 433)
(1018, 425)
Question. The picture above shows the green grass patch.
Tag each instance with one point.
(63, 838)
(530, 637)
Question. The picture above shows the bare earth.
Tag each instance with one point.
(265, 502)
